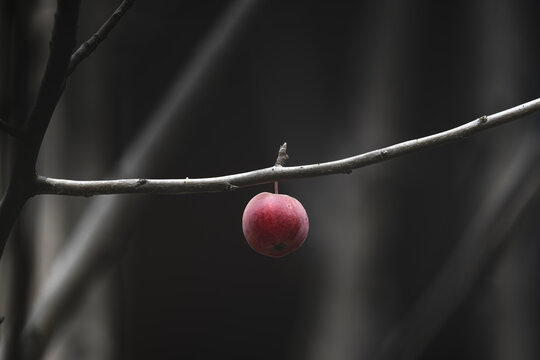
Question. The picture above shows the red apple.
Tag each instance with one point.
(275, 224)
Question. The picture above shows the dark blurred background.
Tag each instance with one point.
(431, 256)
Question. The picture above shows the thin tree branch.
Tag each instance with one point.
(231, 182)
(54, 78)
(91, 44)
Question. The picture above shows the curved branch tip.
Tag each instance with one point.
(282, 155)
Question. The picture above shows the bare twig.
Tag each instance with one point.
(54, 78)
(281, 161)
(282, 155)
(231, 182)
(91, 44)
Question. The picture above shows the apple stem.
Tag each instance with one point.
(276, 187)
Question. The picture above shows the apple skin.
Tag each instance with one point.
(275, 224)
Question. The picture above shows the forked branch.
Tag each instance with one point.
(231, 182)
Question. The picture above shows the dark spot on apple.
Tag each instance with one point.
(279, 246)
